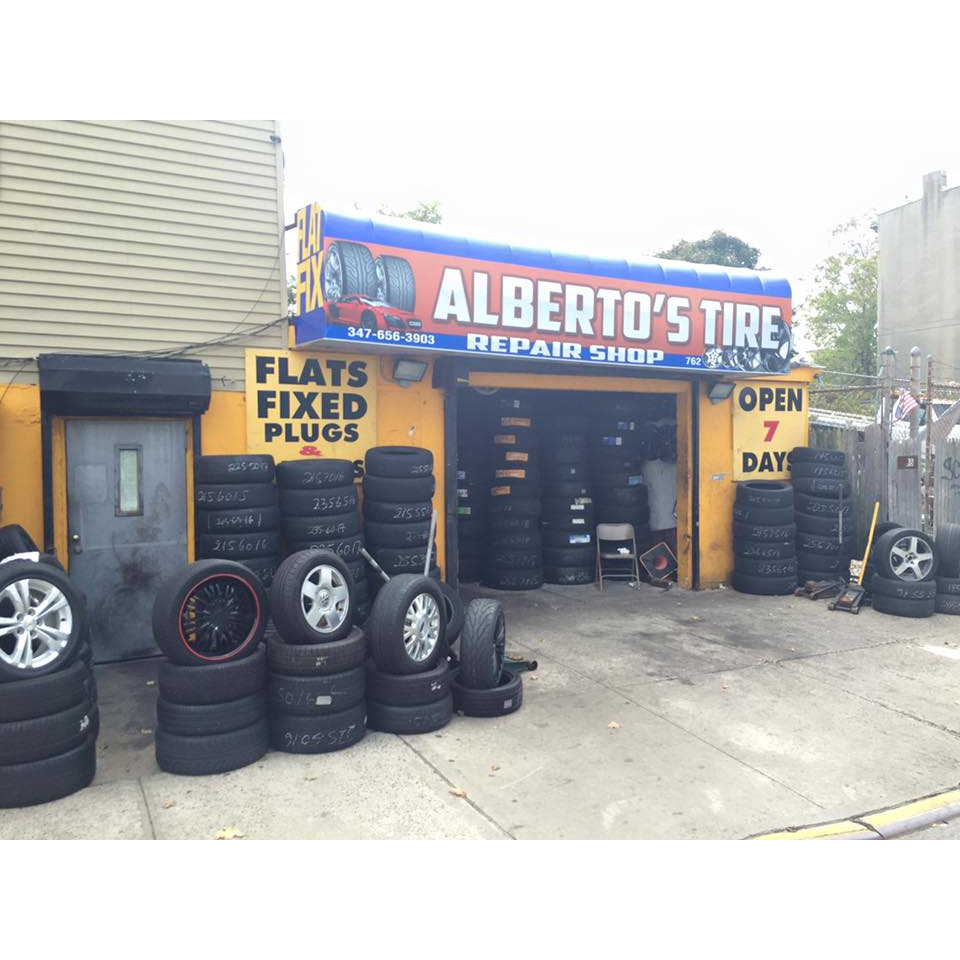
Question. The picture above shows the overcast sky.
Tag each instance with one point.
(605, 132)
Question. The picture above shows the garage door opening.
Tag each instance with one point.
(538, 471)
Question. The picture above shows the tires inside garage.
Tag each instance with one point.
(539, 470)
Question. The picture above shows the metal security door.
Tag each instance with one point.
(127, 524)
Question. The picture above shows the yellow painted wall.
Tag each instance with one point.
(21, 465)
(717, 488)
(223, 428)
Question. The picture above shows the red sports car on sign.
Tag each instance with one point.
(357, 311)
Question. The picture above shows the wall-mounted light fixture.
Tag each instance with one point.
(719, 391)
(406, 372)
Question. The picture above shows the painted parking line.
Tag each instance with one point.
(879, 824)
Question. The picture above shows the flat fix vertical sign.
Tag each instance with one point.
(302, 405)
(768, 422)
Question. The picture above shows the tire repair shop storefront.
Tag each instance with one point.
(398, 332)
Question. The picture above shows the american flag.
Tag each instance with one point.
(904, 405)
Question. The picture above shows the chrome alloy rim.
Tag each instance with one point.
(381, 280)
(332, 275)
(325, 599)
(421, 627)
(911, 559)
(36, 622)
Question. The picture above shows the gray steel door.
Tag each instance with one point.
(127, 524)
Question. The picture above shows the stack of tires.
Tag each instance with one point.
(237, 516)
(473, 490)
(481, 686)
(514, 559)
(948, 570)
(318, 509)
(48, 698)
(398, 489)
(826, 539)
(316, 683)
(905, 564)
(620, 446)
(408, 677)
(764, 538)
(567, 521)
(208, 620)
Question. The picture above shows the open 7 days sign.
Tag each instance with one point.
(301, 405)
(768, 422)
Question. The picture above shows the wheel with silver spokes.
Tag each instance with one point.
(333, 274)
(312, 597)
(407, 627)
(41, 619)
(906, 555)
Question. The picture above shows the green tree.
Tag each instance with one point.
(840, 317)
(426, 211)
(291, 294)
(720, 248)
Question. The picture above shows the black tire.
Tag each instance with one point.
(412, 689)
(41, 696)
(766, 494)
(264, 568)
(570, 557)
(948, 548)
(824, 564)
(768, 517)
(516, 559)
(215, 683)
(764, 549)
(317, 659)
(318, 503)
(525, 489)
(567, 539)
(315, 474)
(823, 506)
(516, 475)
(398, 462)
(333, 605)
(482, 644)
(947, 603)
(810, 543)
(564, 489)
(502, 578)
(562, 455)
(395, 283)
(825, 471)
(392, 512)
(69, 620)
(752, 531)
(455, 612)
(822, 487)
(570, 523)
(25, 741)
(336, 526)
(820, 526)
(293, 733)
(238, 521)
(901, 590)
(553, 507)
(803, 575)
(403, 560)
(189, 613)
(469, 569)
(515, 506)
(904, 608)
(512, 523)
(639, 516)
(234, 496)
(517, 540)
(569, 576)
(418, 718)
(315, 696)
(398, 534)
(387, 624)
(233, 546)
(235, 468)
(632, 497)
(497, 701)
(26, 784)
(14, 539)
(193, 720)
(767, 568)
(218, 753)
(880, 555)
(358, 570)
(398, 489)
(763, 586)
(347, 549)
(818, 455)
(357, 271)
(948, 586)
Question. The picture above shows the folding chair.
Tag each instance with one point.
(613, 533)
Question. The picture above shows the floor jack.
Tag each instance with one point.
(851, 597)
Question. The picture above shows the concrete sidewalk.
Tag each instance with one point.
(652, 715)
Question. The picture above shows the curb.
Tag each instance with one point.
(886, 824)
